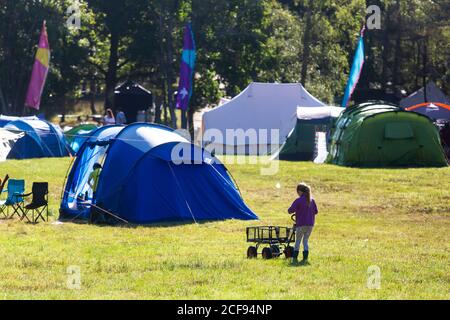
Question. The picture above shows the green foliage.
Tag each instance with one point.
(21, 23)
(238, 41)
(410, 31)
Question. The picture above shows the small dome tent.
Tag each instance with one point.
(377, 134)
(430, 101)
(435, 111)
(143, 181)
(77, 135)
(427, 94)
(41, 139)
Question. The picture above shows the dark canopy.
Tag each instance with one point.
(130, 97)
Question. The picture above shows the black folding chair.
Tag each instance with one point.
(38, 204)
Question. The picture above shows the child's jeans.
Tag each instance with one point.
(302, 233)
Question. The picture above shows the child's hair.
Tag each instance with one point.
(97, 166)
(306, 190)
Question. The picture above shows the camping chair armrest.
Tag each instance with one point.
(23, 195)
(20, 195)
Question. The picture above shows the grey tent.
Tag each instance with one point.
(431, 94)
(435, 111)
(431, 102)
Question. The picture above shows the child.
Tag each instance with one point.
(305, 210)
(96, 215)
(93, 178)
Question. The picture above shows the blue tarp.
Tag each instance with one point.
(41, 139)
(143, 181)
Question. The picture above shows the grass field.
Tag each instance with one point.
(395, 219)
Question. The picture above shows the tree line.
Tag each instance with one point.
(238, 41)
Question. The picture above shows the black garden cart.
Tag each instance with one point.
(275, 241)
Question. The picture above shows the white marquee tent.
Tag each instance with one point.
(248, 123)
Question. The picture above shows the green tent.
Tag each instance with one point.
(77, 135)
(376, 134)
(301, 143)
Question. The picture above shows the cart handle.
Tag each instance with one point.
(293, 218)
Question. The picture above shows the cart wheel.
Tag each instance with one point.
(275, 250)
(267, 253)
(252, 252)
(288, 252)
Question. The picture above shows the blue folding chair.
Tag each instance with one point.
(16, 188)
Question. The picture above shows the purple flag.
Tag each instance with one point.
(185, 85)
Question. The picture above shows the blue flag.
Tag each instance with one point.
(355, 71)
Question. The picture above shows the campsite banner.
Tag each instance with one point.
(185, 85)
(39, 73)
(355, 71)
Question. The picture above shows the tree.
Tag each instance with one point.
(238, 41)
(18, 43)
(117, 24)
(411, 48)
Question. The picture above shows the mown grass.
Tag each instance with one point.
(397, 219)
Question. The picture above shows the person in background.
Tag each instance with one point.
(121, 119)
(305, 210)
(109, 119)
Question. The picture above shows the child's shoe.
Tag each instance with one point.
(295, 257)
(305, 255)
(305, 258)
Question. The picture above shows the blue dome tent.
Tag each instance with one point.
(4, 120)
(41, 139)
(150, 174)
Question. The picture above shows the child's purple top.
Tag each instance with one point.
(304, 215)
